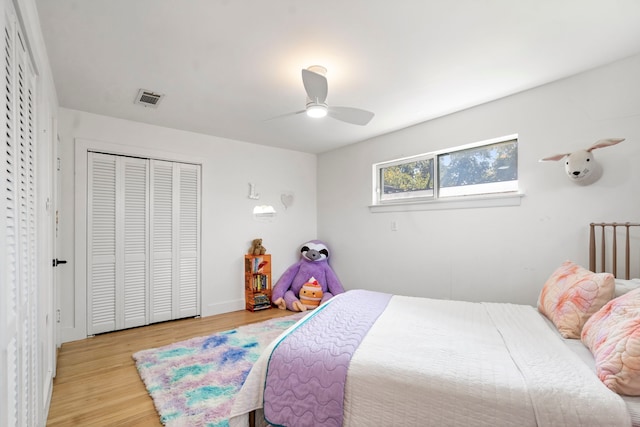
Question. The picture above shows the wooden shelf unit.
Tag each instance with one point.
(257, 282)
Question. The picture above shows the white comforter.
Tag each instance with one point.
(450, 363)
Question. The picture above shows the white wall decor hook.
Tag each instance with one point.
(252, 192)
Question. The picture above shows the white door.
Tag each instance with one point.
(101, 244)
(46, 290)
(163, 235)
(133, 231)
(175, 240)
(19, 369)
(143, 241)
(57, 241)
(187, 287)
(117, 242)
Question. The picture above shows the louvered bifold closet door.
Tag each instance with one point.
(19, 372)
(117, 268)
(101, 244)
(134, 275)
(188, 250)
(162, 240)
(9, 314)
(27, 232)
(175, 240)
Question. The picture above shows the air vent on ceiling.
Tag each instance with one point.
(148, 98)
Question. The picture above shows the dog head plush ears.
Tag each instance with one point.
(580, 166)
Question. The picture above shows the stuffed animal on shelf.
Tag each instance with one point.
(313, 264)
(257, 248)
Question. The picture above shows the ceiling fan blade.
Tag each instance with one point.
(351, 115)
(316, 86)
(295, 113)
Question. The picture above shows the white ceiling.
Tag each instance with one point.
(228, 66)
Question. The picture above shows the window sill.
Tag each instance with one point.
(464, 202)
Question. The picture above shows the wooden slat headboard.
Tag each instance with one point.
(603, 241)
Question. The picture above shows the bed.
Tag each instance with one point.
(399, 360)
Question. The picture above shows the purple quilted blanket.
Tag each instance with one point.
(308, 367)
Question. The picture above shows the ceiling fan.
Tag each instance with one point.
(315, 84)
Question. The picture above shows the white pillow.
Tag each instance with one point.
(624, 286)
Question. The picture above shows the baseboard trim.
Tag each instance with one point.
(223, 307)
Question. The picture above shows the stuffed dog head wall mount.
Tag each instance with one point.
(581, 166)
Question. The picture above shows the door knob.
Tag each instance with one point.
(58, 261)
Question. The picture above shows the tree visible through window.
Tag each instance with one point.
(483, 168)
(408, 177)
(482, 165)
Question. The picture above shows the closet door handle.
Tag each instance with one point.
(58, 261)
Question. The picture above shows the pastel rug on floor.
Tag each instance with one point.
(194, 382)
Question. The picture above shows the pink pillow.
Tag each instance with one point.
(573, 294)
(613, 336)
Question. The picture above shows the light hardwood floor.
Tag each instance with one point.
(97, 383)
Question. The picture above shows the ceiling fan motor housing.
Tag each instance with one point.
(316, 109)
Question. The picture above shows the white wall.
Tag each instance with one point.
(490, 254)
(227, 221)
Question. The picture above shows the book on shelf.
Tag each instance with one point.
(260, 299)
(257, 274)
(256, 264)
(259, 282)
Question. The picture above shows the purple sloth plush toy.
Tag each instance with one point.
(313, 263)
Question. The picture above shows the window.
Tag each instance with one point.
(488, 167)
(406, 179)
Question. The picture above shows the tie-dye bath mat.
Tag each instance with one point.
(194, 382)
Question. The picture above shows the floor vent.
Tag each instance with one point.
(148, 98)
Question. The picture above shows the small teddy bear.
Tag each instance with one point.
(257, 248)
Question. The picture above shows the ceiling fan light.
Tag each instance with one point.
(316, 111)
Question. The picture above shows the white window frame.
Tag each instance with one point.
(400, 197)
(507, 193)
